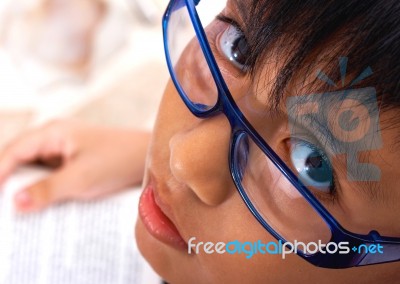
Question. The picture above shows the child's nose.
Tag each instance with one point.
(199, 159)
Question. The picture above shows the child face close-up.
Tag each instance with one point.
(263, 138)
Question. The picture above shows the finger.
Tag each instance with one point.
(62, 185)
(21, 150)
(38, 144)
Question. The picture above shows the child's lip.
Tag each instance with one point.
(156, 218)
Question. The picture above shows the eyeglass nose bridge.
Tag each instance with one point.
(224, 105)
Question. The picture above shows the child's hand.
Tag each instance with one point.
(89, 162)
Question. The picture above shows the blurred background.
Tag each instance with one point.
(100, 61)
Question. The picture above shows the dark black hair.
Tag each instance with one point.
(306, 31)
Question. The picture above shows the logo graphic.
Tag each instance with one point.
(348, 121)
(249, 249)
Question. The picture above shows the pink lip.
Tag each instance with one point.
(156, 222)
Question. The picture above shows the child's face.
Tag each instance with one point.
(188, 177)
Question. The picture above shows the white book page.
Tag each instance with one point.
(86, 243)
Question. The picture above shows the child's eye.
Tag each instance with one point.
(234, 46)
(312, 165)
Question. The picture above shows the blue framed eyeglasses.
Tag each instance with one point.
(290, 202)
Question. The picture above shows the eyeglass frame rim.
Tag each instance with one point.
(239, 124)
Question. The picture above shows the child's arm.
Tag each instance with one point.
(89, 162)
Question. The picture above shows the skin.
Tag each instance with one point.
(199, 191)
(204, 203)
